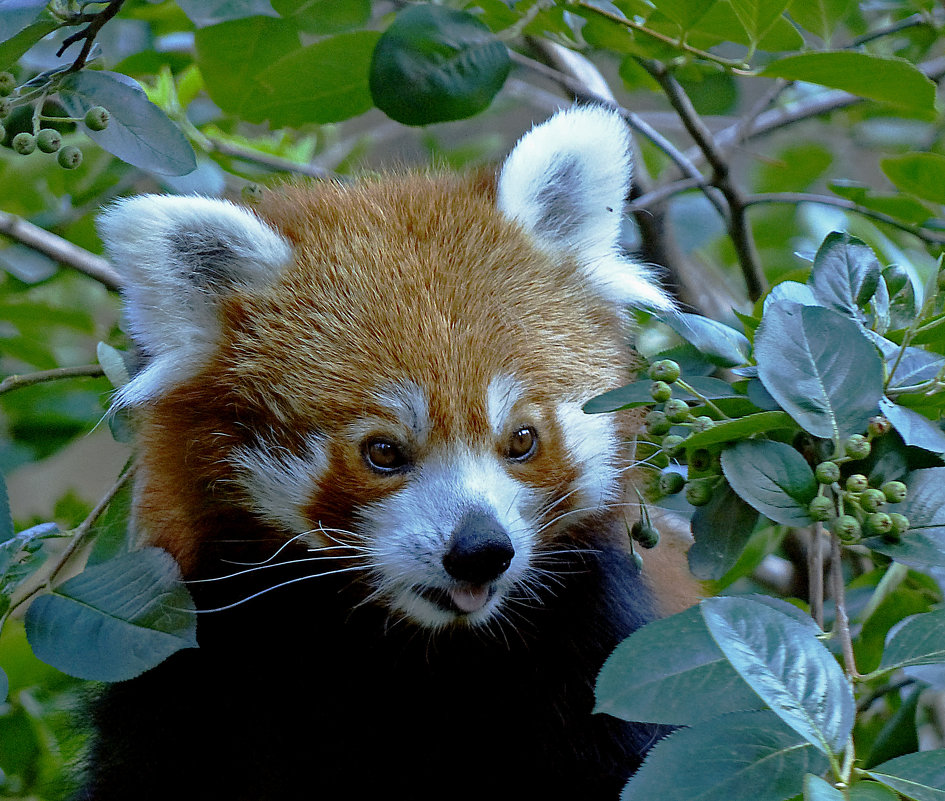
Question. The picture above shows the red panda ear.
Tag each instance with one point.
(566, 182)
(177, 256)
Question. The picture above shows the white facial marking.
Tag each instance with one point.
(279, 482)
(410, 530)
(408, 401)
(503, 393)
(591, 440)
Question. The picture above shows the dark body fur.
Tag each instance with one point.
(295, 696)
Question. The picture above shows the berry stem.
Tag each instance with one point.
(709, 404)
(841, 621)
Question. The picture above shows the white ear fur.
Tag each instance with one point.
(177, 255)
(566, 182)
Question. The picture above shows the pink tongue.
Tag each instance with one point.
(470, 598)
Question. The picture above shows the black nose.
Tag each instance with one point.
(479, 551)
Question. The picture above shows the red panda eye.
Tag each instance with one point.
(522, 444)
(383, 454)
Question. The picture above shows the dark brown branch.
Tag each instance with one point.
(58, 249)
(89, 32)
(12, 382)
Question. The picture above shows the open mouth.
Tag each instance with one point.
(462, 599)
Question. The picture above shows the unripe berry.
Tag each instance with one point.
(6, 106)
(827, 472)
(900, 523)
(672, 444)
(69, 157)
(660, 391)
(821, 508)
(664, 370)
(872, 499)
(857, 483)
(49, 140)
(878, 523)
(252, 192)
(896, 278)
(702, 423)
(895, 491)
(24, 143)
(96, 118)
(647, 536)
(846, 528)
(7, 83)
(637, 560)
(3, 132)
(656, 423)
(857, 446)
(700, 460)
(879, 425)
(671, 482)
(698, 493)
(677, 410)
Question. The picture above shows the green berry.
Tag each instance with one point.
(6, 106)
(702, 423)
(96, 118)
(660, 391)
(672, 444)
(69, 157)
(647, 536)
(857, 483)
(252, 192)
(698, 493)
(657, 424)
(821, 508)
(879, 425)
(637, 560)
(7, 83)
(878, 523)
(900, 523)
(872, 499)
(676, 410)
(671, 482)
(3, 132)
(665, 370)
(896, 278)
(857, 446)
(895, 491)
(49, 140)
(700, 460)
(827, 472)
(846, 528)
(24, 143)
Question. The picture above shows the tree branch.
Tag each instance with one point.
(58, 249)
(89, 32)
(12, 382)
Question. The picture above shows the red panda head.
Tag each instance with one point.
(391, 372)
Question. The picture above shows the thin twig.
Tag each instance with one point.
(841, 621)
(12, 382)
(89, 32)
(269, 162)
(58, 249)
(931, 237)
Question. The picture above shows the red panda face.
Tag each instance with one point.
(392, 373)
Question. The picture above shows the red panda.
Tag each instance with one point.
(360, 433)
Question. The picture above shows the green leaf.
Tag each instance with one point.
(744, 756)
(918, 776)
(771, 477)
(820, 17)
(435, 64)
(232, 54)
(21, 29)
(210, 12)
(325, 16)
(638, 394)
(816, 789)
(819, 367)
(684, 13)
(757, 16)
(721, 530)
(138, 132)
(19, 14)
(719, 343)
(898, 735)
(4, 686)
(895, 205)
(116, 619)
(327, 81)
(6, 517)
(741, 428)
(887, 80)
(113, 363)
(918, 640)
(785, 663)
(871, 791)
(914, 428)
(920, 174)
(845, 274)
(644, 680)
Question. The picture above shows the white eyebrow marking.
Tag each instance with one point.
(503, 393)
(281, 483)
(408, 401)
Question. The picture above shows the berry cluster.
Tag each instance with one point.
(47, 140)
